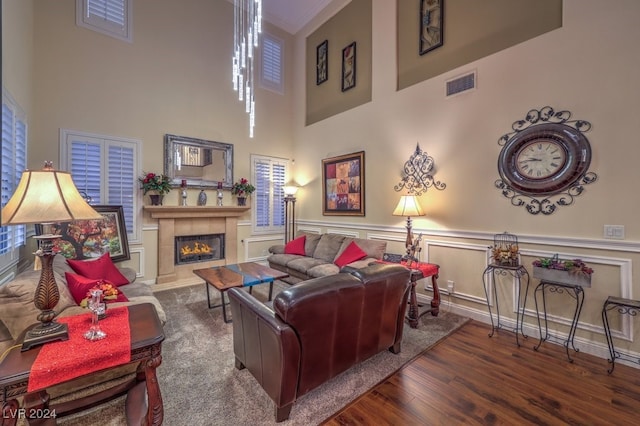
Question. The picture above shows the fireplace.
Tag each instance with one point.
(199, 248)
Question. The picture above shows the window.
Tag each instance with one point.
(14, 161)
(269, 175)
(105, 168)
(109, 17)
(272, 75)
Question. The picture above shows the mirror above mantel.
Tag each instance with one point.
(201, 163)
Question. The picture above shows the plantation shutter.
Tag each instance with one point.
(85, 167)
(120, 178)
(271, 77)
(269, 175)
(112, 11)
(110, 17)
(14, 155)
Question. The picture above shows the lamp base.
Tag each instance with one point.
(45, 333)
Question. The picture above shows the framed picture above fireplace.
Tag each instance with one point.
(86, 239)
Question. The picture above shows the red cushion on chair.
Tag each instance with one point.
(352, 253)
(296, 246)
(101, 268)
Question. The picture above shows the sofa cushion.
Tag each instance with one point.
(372, 248)
(303, 264)
(102, 268)
(311, 242)
(283, 259)
(17, 310)
(350, 254)
(296, 246)
(328, 247)
(323, 270)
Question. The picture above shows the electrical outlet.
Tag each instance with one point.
(450, 286)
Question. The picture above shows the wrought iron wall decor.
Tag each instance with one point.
(544, 161)
(416, 174)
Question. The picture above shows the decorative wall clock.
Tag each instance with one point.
(544, 162)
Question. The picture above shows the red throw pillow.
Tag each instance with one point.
(101, 268)
(352, 253)
(296, 246)
(79, 286)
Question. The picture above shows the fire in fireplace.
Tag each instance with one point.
(199, 248)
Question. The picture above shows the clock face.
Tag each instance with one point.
(540, 159)
(544, 159)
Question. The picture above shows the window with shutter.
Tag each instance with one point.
(109, 17)
(14, 155)
(269, 175)
(272, 76)
(105, 169)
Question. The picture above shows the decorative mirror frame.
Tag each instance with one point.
(169, 161)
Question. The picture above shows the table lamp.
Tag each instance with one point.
(408, 206)
(45, 197)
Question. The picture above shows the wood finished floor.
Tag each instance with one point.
(472, 379)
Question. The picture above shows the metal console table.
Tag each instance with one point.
(517, 272)
(624, 306)
(577, 293)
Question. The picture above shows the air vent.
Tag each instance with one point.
(461, 84)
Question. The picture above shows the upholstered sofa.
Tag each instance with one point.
(318, 329)
(321, 255)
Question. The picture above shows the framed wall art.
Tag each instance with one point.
(322, 62)
(431, 29)
(349, 67)
(343, 185)
(87, 239)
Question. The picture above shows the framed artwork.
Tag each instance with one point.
(349, 67)
(86, 239)
(322, 62)
(343, 185)
(431, 30)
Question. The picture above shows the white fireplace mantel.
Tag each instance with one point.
(193, 220)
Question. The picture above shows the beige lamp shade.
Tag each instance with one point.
(46, 196)
(408, 206)
(290, 190)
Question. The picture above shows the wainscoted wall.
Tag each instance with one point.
(611, 260)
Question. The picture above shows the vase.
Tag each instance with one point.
(562, 277)
(202, 198)
(156, 199)
(242, 201)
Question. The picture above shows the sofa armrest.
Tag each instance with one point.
(266, 346)
(277, 249)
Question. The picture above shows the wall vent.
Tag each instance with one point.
(461, 84)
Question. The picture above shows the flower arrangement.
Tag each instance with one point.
(242, 188)
(153, 182)
(109, 292)
(573, 266)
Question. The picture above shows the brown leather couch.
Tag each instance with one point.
(317, 329)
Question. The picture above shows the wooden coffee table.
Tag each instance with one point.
(237, 275)
(144, 400)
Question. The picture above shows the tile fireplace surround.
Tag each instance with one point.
(187, 220)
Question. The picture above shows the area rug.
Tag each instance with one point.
(201, 386)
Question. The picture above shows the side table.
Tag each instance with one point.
(517, 272)
(144, 400)
(577, 293)
(624, 306)
(423, 270)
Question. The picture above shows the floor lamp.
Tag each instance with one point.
(289, 212)
(44, 197)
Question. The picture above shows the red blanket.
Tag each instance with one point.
(59, 362)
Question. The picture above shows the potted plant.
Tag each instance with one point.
(570, 271)
(242, 189)
(157, 184)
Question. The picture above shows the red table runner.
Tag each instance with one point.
(427, 269)
(58, 362)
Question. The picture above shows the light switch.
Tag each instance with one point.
(614, 232)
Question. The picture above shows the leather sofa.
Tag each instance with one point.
(318, 329)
